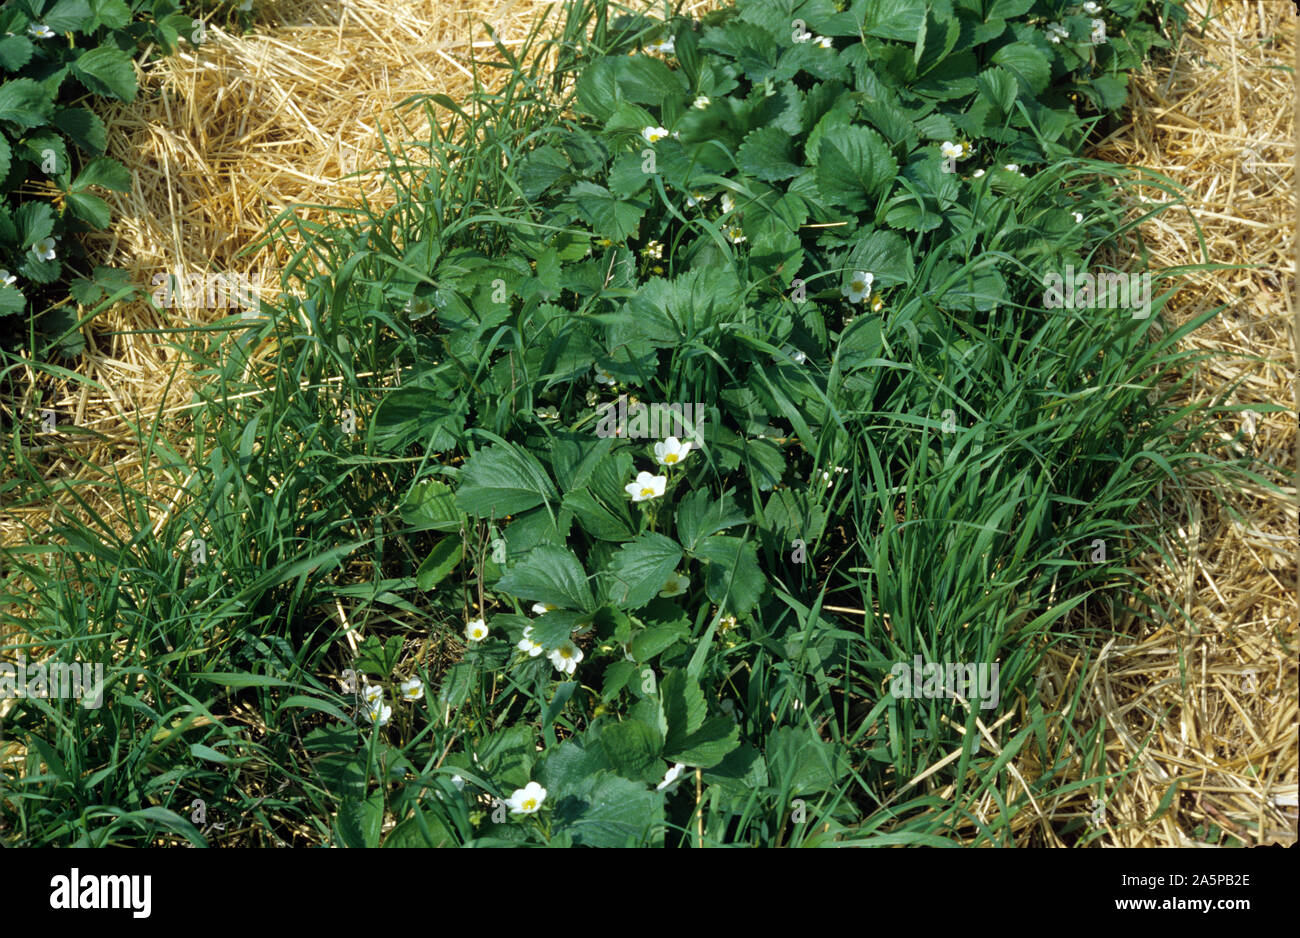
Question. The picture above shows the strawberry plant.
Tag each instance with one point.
(57, 57)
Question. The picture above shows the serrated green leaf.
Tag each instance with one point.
(1110, 92)
(894, 19)
(68, 16)
(609, 216)
(732, 575)
(25, 102)
(15, 52)
(605, 810)
(359, 823)
(698, 515)
(444, 557)
(112, 13)
(550, 575)
(639, 570)
(84, 128)
(508, 755)
(598, 519)
(801, 763)
(11, 300)
(708, 745)
(552, 629)
(598, 91)
(684, 707)
(768, 154)
(106, 70)
(654, 639)
(106, 172)
(854, 165)
(643, 79)
(999, 87)
(884, 254)
(1026, 62)
(40, 271)
(432, 506)
(502, 479)
(632, 748)
(89, 208)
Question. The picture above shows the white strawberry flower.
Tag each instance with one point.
(40, 31)
(527, 644)
(603, 376)
(476, 630)
(695, 198)
(379, 713)
(826, 476)
(1092, 9)
(1012, 167)
(670, 776)
(951, 151)
(734, 234)
(859, 286)
(541, 609)
(527, 800)
(412, 690)
(372, 693)
(646, 486)
(675, 585)
(824, 41)
(654, 134)
(419, 306)
(978, 173)
(671, 451)
(701, 102)
(7, 279)
(728, 203)
(566, 657)
(1056, 32)
(1078, 217)
(44, 249)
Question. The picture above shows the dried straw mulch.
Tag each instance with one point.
(1212, 706)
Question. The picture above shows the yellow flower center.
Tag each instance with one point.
(530, 804)
(670, 458)
(647, 492)
(565, 653)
